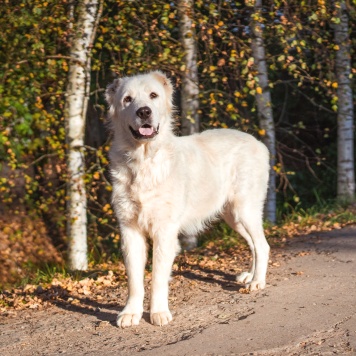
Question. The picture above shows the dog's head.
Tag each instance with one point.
(141, 105)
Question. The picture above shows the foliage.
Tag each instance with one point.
(32, 35)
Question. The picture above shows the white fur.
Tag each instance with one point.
(169, 185)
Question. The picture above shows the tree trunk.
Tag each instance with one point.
(190, 89)
(345, 119)
(77, 95)
(264, 107)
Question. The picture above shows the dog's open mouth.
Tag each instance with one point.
(145, 132)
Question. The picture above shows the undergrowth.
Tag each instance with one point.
(321, 217)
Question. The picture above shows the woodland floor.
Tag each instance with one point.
(308, 307)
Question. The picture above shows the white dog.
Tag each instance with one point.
(164, 185)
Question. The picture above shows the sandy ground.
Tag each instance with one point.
(308, 308)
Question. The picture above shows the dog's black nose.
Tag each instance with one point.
(144, 113)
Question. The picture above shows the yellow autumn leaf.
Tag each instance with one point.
(106, 207)
(334, 85)
(281, 58)
(277, 169)
(262, 132)
(259, 90)
(229, 107)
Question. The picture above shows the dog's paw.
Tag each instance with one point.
(256, 285)
(161, 318)
(127, 320)
(244, 278)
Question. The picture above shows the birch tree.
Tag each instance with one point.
(77, 95)
(264, 104)
(190, 89)
(345, 115)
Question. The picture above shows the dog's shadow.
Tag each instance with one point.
(102, 310)
(99, 310)
(85, 305)
(226, 281)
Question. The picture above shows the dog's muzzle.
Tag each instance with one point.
(145, 132)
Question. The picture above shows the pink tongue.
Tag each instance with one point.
(145, 131)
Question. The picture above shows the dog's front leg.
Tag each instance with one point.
(165, 248)
(133, 246)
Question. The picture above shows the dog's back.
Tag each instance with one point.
(220, 166)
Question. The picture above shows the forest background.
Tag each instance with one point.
(36, 40)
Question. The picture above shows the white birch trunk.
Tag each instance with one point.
(190, 88)
(345, 116)
(75, 111)
(264, 108)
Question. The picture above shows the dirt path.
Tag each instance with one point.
(309, 308)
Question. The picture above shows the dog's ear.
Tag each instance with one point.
(111, 90)
(167, 84)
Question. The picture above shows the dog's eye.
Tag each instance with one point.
(127, 99)
(153, 95)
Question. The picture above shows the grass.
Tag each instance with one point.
(47, 273)
(323, 216)
(221, 234)
(328, 211)
(42, 275)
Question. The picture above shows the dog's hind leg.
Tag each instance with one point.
(244, 277)
(251, 219)
(248, 224)
(133, 246)
(165, 248)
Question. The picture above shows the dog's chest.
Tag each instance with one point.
(143, 189)
(144, 186)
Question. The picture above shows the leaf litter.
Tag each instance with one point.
(203, 291)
